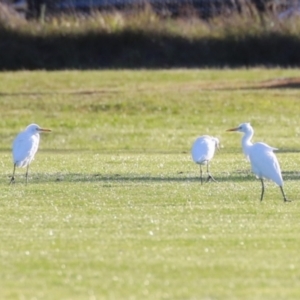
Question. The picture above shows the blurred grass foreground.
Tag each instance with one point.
(144, 38)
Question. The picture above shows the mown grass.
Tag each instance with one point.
(114, 208)
(117, 110)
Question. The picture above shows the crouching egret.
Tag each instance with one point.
(203, 151)
(263, 161)
(25, 147)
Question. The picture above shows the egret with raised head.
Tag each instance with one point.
(25, 146)
(263, 161)
(203, 151)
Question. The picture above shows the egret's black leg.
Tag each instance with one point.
(209, 175)
(283, 194)
(26, 175)
(12, 180)
(262, 189)
(201, 174)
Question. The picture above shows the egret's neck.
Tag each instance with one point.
(246, 141)
(35, 136)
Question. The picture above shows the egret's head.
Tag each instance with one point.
(34, 128)
(244, 127)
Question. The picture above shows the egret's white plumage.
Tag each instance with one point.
(203, 151)
(263, 161)
(25, 146)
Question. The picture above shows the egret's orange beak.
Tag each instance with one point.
(45, 130)
(233, 129)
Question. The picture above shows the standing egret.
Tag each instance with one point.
(203, 151)
(263, 161)
(25, 147)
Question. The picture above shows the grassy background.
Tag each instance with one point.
(114, 208)
(127, 110)
(145, 40)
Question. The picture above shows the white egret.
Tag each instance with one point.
(203, 151)
(25, 147)
(263, 161)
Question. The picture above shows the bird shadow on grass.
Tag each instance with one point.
(128, 178)
(179, 177)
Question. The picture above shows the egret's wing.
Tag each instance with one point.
(24, 149)
(264, 163)
(203, 149)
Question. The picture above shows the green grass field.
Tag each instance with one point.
(114, 208)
